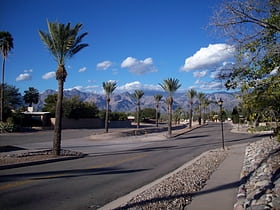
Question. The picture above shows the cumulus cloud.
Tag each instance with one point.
(139, 66)
(207, 86)
(223, 71)
(49, 75)
(82, 69)
(23, 77)
(200, 74)
(104, 65)
(130, 87)
(208, 57)
(28, 71)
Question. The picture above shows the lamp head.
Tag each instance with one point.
(220, 102)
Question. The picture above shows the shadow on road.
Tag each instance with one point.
(67, 174)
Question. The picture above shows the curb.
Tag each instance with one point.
(186, 131)
(126, 198)
(38, 162)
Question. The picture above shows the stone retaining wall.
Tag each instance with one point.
(260, 177)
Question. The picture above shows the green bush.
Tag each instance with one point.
(7, 127)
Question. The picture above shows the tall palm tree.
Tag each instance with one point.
(200, 97)
(31, 96)
(138, 95)
(157, 98)
(109, 88)
(6, 45)
(191, 94)
(170, 85)
(63, 42)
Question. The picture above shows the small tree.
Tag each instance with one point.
(49, 104)
(205, 104)
(200, 97)
(13, 100)
(157, 98)
(109, 88)
(170, 85)
(31, 96)
(235, 115)
(138, 94)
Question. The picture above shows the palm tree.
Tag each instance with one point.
(109, 88)
(138, 95)
(205, 104)
(200, 97)
(63, 42)
(31, 96)
(170, 85)
(191, 94)
(157, 98)
(6, 44)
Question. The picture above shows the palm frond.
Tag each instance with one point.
(109, 87)
(170, 85)
(62, 40)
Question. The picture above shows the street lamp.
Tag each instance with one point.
(220, 103)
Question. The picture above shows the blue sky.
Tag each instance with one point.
(137, 43)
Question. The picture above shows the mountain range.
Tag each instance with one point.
(125, 102)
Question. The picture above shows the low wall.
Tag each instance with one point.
(90, 123)
(120, 124)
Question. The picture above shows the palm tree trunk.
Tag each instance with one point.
(200, 115)
(107, 116)
(58, 119)
(170, 119)
(138, 116)
(157, 115)
(191, 111)
(2, 91)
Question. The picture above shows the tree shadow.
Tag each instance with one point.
(10, 148)
(68, 173)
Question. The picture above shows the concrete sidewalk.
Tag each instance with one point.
(221, 189)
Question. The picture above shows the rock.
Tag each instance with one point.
(260, 173)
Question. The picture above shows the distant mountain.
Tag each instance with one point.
(124, 102)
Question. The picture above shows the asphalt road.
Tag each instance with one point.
(112, 169)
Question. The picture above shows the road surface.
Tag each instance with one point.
(112, 169)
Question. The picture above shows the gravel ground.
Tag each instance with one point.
(35, 156)
(176, 191)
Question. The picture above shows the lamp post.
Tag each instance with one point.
(220, 103)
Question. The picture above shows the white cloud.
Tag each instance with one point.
(104, 65)
(28, 71)
(82, 69)
(200, 74)
(23, 77)
(136, 85)
(139, 66)
(223, 71)
(208, 57)
(92, 88)
(49, 75)
(209, 86)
